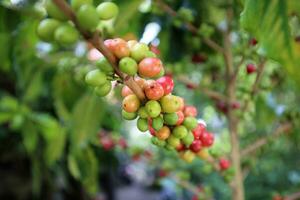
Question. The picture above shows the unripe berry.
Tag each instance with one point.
(190, 123)
(188, 139)
(95, 78)
(170, 103)
(180, 131)
(76, 4)
(128, 66)
(157, 123)
(104, 65)
(87, 17)
(131, 103)
(150, 67)
(170, 118)
(129, 116)
(142, 124)
(104, 89)
(188, 156)
(66, 35)
(163, 133)
(143, 112)
(139, 51)
(54, 11)
(167, 83)
(107, 10)
(153, 108)
(47, 28)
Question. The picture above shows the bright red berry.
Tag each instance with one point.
(224, 164)
(167, 83)
(253, 42)
(207, 139)
(154, 90)
(150, 67)
(198, 131)
(196, 146)
(190, 111)
(251, 68)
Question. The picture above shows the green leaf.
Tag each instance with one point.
(73, 167)
(30, 137)
(87, 115)
(268, 21)
(8, 107)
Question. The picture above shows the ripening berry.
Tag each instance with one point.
(126, 91)
(180, 116)
(150, 67)
(167, 83)
(170, 103)
(153, 90)
(131, 103)
(190, 111)
(163, 133)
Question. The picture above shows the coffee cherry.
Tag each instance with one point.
(142, 124)
(181, 103)
(110, 44)
(207, 139)
(104, 65)
(197, 132)
(163, 133)
(180, 116)
(196, 146)
(126, 91)
(173, 141)
(150, 54)
(76, 4)
(129, 116)
(104, 89)
(251, 68)
(66, 34)
(143, 112)
(154, 90)
(253, 42)
(131, 103)
(188, 139)
(54, 11)
(107, 143)
(150, 67)
(95, 78)
(188, 156)
(180, 132)
(131, 43)
(153, 108)
(139, 51)
(128, 66)
(170, 118)
(167, 83)
(107, 10)
(151, 129)
(190, 111)
(47, 28)
(204, 154)
(121, 49)
(181, 147)
(190, 123)
(170, 103)
(87, 17)
(157, 123)
(224, 164)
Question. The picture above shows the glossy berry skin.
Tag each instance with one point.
(87, 17)
(180, 132)
(196, 146)
(126, 91)
(95, 78)
(131, 43)
(103, 90)
(188, 139)
(131, 103)
(157, 123)
(142, 124)
(150, 67)
(163, 133)
(107, 10)
(224, 164)
(128, 66)
(170, 118)
(167, 83)
(190, 123)
(139, 51)
(190, 111)
(128, 116)
(120, 48)
(153, 90)
(207, 139)
(251, 68)
(153, 108)
(180, 116)
(66, 35)
(198, 131)
(47, 28)
(170, 103)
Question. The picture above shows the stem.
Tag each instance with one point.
(97, 42)
(253, 147)
(193, 29)
(237, 186)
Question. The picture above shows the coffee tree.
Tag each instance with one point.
(73, 68)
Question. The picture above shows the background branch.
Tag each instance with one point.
(97, 42)
(253, 147)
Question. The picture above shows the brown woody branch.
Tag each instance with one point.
(210, 93)
(97, 42)
(280, 130)
(193, 29)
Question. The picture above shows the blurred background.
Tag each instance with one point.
(59, 141)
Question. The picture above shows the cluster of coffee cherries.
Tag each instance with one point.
(57, 28)
(108, 142)
(171, 122)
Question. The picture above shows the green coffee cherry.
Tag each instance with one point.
(95, 78)
(107, 10)
(142, 124)
(47, 28)
(104, 89)
(66, 35)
